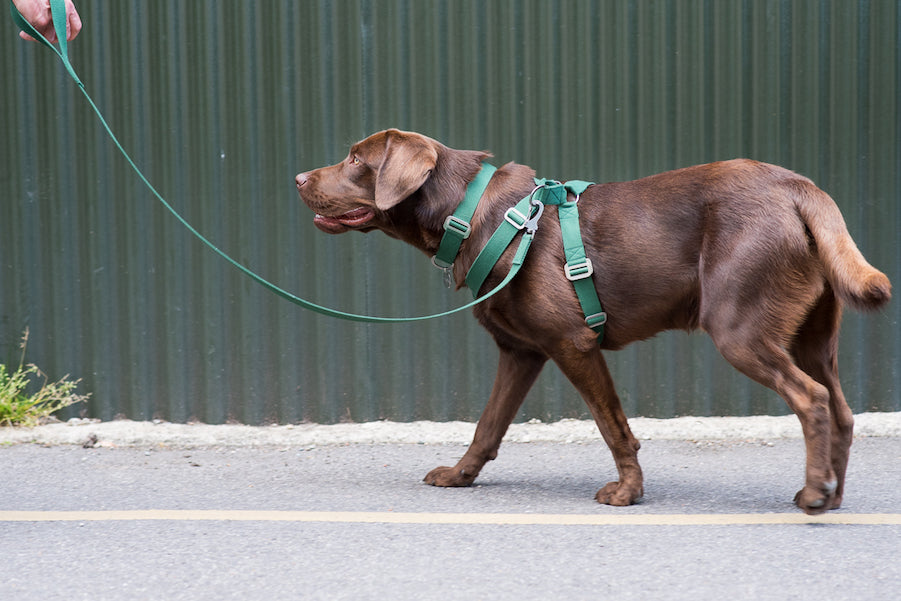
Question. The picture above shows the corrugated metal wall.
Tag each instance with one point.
(222, 102)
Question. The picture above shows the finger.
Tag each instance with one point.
(49, 33)
(73, 25)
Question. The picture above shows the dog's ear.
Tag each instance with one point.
(406, 165)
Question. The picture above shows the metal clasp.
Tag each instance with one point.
(531, 225)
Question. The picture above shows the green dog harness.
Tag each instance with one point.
(523, 217)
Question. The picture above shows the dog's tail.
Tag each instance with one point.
(855, 281)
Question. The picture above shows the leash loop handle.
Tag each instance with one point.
(58, 14)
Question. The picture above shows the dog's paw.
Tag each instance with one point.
(449, 476)
(812, 500)
(620, 495)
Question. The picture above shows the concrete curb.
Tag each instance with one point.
(152, 434)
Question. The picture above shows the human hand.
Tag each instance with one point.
(37, 12)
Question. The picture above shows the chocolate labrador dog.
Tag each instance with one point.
(755, 255)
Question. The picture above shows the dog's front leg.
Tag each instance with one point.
(589, 374)
(516, 372)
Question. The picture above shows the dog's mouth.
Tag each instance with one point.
(353, 219)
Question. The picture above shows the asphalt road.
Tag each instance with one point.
(701, 494)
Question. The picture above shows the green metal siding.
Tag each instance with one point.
(222, 102)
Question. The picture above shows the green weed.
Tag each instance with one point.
(19, 408)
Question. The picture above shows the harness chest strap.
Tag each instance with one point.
(578, 268)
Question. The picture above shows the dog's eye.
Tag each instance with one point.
(355, 160)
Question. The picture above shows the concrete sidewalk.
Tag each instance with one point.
(157, 433)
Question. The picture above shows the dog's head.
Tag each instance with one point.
(378, 173)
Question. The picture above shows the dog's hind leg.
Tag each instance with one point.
(516, 372)
(760, 357)
(589, 374)
(815, 350)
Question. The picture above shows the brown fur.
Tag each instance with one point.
(754, 254)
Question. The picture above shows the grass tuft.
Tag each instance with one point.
(19, 408)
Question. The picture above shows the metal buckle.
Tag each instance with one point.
(520, 221)
(579, 271)
(598, 319)
(455, 225)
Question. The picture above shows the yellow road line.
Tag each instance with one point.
(390, 517)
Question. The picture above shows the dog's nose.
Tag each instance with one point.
(301, 179)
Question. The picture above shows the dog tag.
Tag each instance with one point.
(449, 277)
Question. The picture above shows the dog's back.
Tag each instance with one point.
(738, 236)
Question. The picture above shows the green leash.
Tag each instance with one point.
(521, 218)
(58, 11)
